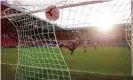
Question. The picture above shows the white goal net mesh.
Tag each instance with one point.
(39, 55)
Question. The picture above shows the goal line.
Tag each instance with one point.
(72, 70)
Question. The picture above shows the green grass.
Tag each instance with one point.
(114, 60)
(9, 55)
(104, 59)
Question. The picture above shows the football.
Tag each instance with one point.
(52, 13)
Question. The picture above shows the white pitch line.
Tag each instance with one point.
(9, 64)
(99, 73)
(77, 71)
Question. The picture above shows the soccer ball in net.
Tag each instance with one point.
(52, 13)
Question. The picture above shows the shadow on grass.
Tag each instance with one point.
(7, 72)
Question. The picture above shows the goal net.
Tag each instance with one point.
(39, 55)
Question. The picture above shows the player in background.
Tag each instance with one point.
(85, 43)
(95, 45)
(85, 46)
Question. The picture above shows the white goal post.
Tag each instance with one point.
(129, 35)
(131, 29)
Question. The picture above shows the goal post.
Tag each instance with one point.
(131, 29)
(129, 35)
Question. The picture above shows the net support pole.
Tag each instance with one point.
(131, 37)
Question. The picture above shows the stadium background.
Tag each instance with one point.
(114, 37)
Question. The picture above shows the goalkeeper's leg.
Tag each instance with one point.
(72, 52)
(71, 49)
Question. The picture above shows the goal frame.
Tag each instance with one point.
(131, 38)
(60, 7)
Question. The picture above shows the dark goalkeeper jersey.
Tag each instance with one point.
(73, 45)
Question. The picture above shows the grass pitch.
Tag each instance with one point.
(112, 60)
